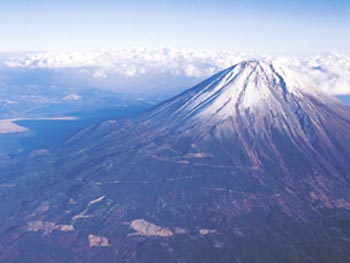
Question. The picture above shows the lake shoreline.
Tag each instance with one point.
(8, 126)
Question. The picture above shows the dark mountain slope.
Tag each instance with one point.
(250, 165)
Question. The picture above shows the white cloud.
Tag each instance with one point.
(330, 72)
(100, 74)
(134, 61)
(72, 97)
(192, 71)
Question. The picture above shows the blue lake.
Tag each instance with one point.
(49, 133)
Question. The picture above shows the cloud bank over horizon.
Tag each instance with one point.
(329, 71)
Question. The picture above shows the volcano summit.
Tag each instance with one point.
(250, 165)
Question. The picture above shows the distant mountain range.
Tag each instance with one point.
(250, 165)
(38, 93)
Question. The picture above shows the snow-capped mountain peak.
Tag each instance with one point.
(250, 87)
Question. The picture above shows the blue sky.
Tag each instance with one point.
(254, 26)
